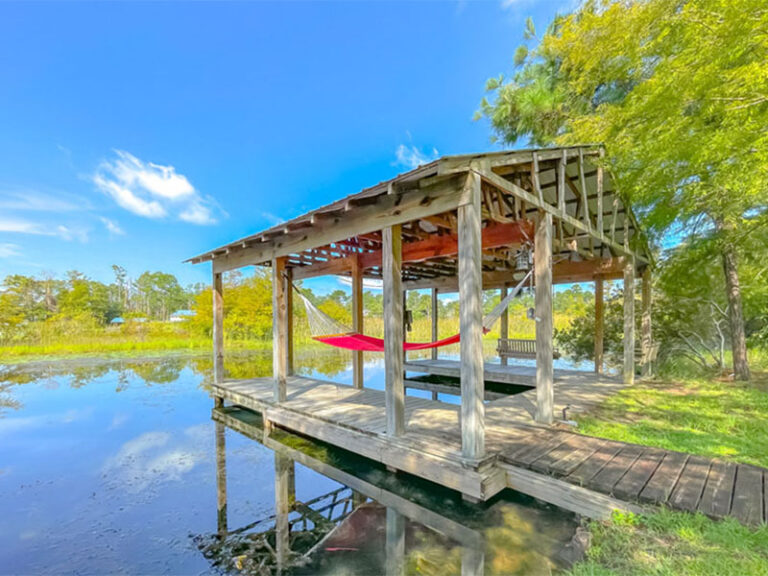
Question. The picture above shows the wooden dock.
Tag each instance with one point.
(588, 475)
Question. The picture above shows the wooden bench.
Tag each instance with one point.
(520, 348)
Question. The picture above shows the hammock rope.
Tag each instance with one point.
(325, 329)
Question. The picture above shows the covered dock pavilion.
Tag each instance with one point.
(456, 224)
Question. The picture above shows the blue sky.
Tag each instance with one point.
(143, 134)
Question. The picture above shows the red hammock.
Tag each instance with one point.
(353, 341)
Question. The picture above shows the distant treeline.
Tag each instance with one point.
(45, 310)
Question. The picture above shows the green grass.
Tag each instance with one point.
(674, 544)
(727, 420)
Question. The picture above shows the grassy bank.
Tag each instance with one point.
(713, 418)
(674, 544)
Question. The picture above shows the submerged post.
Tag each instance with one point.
(357, 320)
(504, 324)
(542, 262)
(395, 543)
(435, 309)
(285, 498)
(471, 321)
(218, 327)
(647, 334)
(394, 392)
(629, 322)
(599, 324)
(221, 478)
(279, 330)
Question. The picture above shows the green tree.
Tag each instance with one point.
(678, 91)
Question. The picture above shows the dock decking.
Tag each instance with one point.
(588, 475)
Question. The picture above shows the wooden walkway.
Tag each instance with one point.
(588, 475)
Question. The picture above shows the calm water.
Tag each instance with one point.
(111, 467)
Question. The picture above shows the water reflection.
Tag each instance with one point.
(373, 522)
(108, 466)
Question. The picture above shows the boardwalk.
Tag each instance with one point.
(588, 475)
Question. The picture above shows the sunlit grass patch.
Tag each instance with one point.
(726, 420)
(674, 544)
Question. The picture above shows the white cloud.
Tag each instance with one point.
(112, 226)
(152, 190)
(411, 157)
(34, 201)
(7, 250)
(23, 226)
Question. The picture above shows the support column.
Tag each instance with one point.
(221, 478)
(288, 286)
(285, 498)
(647, 335)
(357, 320)
(542, 263)
(435, 311)
(471, 322)
(395, 543)
(394, 392)
(279, 330)
(599, 324)
(629, 322)
(472, 561)
(218, 327)
(504, 324)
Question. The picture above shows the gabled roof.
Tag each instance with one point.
(516, 185)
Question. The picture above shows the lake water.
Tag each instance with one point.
(116, 466)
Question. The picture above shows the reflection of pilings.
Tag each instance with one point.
(285, 498)
(221, 476)
(472, 561)
(395, 547)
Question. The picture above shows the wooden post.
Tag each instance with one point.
(395, 543)
(504, 324)
(629, 322)
(279, 329)
(289, 321)
(599, 324)
(471, 322)
(394, 391)
(472, 560)
(221, 478)
(284, 501)
(435, 311)
(357, 320)
(647, 335)
(218, 328)
(542, 262)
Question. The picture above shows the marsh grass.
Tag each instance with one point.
(674, 544)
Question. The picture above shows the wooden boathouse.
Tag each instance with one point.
(459, 224)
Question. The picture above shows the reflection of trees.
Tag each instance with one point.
(258, 364)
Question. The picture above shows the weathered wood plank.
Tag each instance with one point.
(612, 472)
(566, 457)
(690, 486)
(716, 498)
(747, 504)
(536, 449)
(663, 481)
(632, 483)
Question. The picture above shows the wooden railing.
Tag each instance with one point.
(519, 348)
